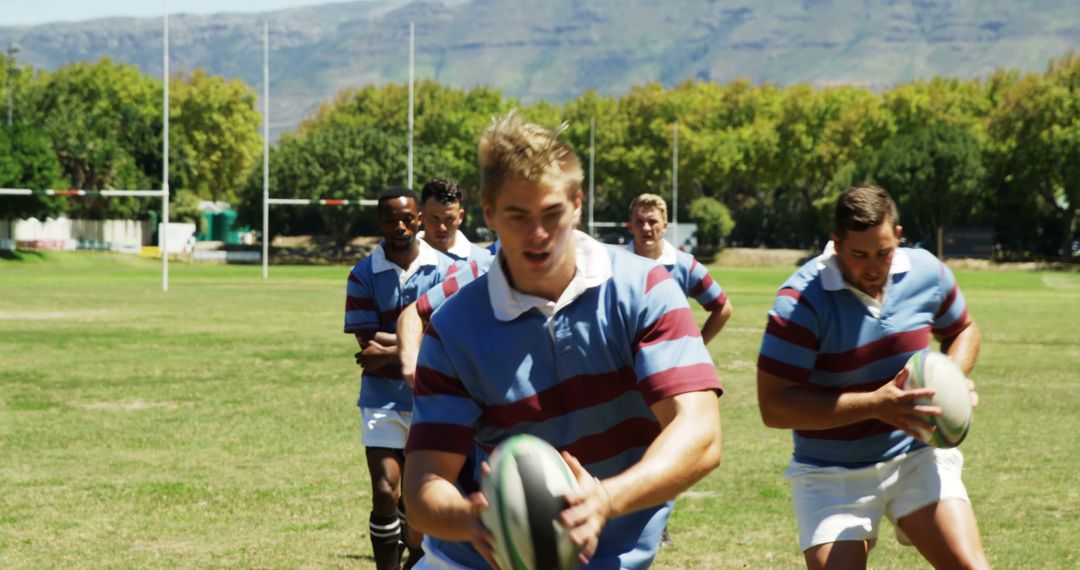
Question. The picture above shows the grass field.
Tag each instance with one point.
(215, 425)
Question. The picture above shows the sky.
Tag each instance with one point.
(30, 12)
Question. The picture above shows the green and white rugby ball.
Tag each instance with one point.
(526, 490)
(934, 370)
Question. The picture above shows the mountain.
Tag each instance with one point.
(557, 49)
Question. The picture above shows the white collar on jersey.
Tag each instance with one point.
(667, 252)
(462, 246)
(427, 256)
(593, 268)
(833, 280)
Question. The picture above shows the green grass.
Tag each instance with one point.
(215, 426)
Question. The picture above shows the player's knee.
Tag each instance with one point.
(385, 488)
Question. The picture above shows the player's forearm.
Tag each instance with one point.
(385, 338)
(715, 322)
(785, 405)
(963, 348)
(410, 332)
(687, 449)
(437, 508)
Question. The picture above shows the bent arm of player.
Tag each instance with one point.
(715, 322)
(687, 448)
(786, 404)
(963, 348)
(410, 333)
(435, 505)
(377, 349)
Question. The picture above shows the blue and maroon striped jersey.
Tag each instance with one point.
(459, 275)
(377, 290)
(693, 278)
(820, 333)
(580, 374)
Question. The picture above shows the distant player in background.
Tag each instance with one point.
(442, 214)
(588, 347)
(648, 223)
(400, 269)
(831, 368)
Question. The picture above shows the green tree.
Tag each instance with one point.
(713, 221)
(935, 174)
(214, 139)
(104, 120)
(1035, 127)
(27, 161)
(343, 160)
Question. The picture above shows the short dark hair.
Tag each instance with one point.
(862, 207)
(445, 191)
(393, 194)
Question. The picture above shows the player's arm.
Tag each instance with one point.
(963, 347)
(708, 293)
(687, 449)
(954, 328)
(410, 332)
(715, 322)
(434, 504)
(377, 349)
(786, 404)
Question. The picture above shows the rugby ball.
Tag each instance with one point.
(934, 370)
(526, 490)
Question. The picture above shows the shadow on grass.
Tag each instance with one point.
(22, 255)
(365, 557)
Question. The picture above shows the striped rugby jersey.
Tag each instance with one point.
(692, 277)
(459, 275)
(377, 290)
(821, 333)
(579, 373)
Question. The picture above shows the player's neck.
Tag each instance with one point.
(403, 258)
(650, 252)
(430, 239)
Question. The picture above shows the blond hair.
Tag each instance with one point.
(512, 149)
(649, 201)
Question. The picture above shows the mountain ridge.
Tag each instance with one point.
(558, 49)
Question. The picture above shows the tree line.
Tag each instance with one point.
(758, 165)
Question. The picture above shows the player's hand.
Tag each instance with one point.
(898, 407)
(588, 510)
(374, 355)
(479, 536)
(974, 394)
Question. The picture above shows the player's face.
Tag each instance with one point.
(399, 222)
(865, 257)
(441, 222)
(535, 224)
(647, 226)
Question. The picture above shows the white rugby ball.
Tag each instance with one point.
(934, 370)
(526, 490)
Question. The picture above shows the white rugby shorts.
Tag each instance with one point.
(384, 428)
(835, 503)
